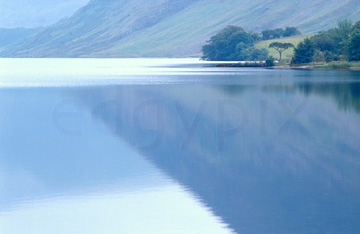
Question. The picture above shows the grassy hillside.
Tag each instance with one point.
(185, 33)
(287, 54)
(173, 28)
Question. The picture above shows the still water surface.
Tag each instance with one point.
(176, 146)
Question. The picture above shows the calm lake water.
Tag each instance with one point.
(176, 146)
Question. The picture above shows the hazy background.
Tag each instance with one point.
(35, 13)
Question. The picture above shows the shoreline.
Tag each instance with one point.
(334, 67)
(319, 67)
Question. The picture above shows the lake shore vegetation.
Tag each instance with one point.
(336, 48)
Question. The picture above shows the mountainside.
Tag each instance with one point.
(172, 28)
(36, 13)
(15, 35)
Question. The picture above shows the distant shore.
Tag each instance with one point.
(352, 66)
(349, 66)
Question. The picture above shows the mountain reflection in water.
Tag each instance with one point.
(180, 151)
(267, 159)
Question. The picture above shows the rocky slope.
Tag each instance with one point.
(172, 28)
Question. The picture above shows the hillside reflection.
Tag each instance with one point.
(345, 94)
(267, 159)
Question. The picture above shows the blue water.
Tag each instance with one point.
(177, 146)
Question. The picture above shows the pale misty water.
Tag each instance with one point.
(176, 146)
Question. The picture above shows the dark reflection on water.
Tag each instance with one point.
(347, 95)
(281, 156)
(266, 158)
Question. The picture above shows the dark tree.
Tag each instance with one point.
(272, 34)
(267, 34)
(344, 29)
(324, 42)
(231, 43)
(241, 52)
(304, 52)
(255, 36)
(270, 61)
(280, 47)
(319, 56)
(279, 32)
(291, 31)
(342, 35)
(258, 54)
(354, 44)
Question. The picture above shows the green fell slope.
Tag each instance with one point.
(173, 28)
(287, 54)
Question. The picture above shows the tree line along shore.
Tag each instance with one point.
(336, 48)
